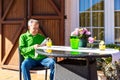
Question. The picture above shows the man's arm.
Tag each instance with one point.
(22, 45)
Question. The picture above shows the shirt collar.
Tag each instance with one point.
(28, 33)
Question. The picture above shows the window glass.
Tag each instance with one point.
(117, 20)
(117, 4)
(84, 5)
(117, 35)
(99, 33)
(91, 16)
(85, 19)
(97, 5)
(98, 19)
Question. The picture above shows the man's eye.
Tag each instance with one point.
(36, 28)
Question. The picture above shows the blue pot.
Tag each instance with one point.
(83, 43)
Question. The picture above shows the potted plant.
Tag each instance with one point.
(83, 34)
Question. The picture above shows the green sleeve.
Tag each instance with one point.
(22, 45)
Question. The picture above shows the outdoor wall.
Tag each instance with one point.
(72, 21)
(13, 22)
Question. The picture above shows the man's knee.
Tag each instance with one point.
(51, 62)
(25, 65)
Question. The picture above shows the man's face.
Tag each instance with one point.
(34, 28)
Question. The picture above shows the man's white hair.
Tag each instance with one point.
(32, 21)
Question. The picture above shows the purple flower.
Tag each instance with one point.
(74, 33)
(77, 29)
(82, 33)
(85, 29)
(91, 39)
(88, 33)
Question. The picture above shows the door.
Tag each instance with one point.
(14, 15)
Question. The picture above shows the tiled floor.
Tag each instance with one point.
(39, 75)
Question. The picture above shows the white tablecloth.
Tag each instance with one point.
(81, 49)
(115, 53)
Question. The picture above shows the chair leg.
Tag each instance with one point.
(20, 75)
(45, 74)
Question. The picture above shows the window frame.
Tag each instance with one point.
(108, 21)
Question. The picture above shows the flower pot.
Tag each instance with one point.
(74, 42)
(82, 43)
(74, 53)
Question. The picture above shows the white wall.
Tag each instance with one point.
(72, 21)
(109, 21)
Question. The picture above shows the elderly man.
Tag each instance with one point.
(28, 42)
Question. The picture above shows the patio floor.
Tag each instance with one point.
(39, 75)
(14, 75)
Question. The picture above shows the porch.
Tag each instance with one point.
(39, 75)
(6, 74)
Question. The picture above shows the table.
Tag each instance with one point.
(71, 68)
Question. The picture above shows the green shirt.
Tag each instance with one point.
(26, 45)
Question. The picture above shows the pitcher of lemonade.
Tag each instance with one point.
(102, 45)
(49, 44)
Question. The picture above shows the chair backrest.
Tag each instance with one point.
(21, 58)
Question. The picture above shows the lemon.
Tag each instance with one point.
(49, 43)
(102, 47)
(102, 42)
(49, 50)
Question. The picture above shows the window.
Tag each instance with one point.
(117, 20)
(91, 16)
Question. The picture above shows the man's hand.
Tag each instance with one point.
(36, 46)
(43, 44)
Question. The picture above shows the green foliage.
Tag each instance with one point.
(115, 46)
(107, 60)
(94, 45)
(111, 70)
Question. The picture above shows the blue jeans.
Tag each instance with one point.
(30, 63)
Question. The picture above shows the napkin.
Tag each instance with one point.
(115, 57)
